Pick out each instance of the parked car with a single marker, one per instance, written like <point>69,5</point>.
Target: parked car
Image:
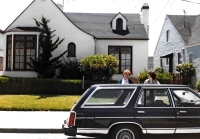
<point>129,111</point>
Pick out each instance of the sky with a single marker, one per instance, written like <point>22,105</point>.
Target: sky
<point>158,9</point>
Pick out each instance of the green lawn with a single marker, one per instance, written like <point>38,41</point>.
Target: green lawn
<point>37,102</point>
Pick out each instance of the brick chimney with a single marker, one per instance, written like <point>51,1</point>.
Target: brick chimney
<point>145,16</point>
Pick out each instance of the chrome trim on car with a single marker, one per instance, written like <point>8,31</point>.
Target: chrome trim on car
<point>188,116</point>
<point>128,123</point>
<point>154,117</point>
<point>160,130</point>
<point>92,130</point>
<point>188,130</point>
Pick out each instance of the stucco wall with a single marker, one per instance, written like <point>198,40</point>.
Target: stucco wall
<point>139,55</point>
<point>84,42</point>
<point>175,46</point>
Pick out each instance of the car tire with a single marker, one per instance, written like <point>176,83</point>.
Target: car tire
<point>124,132</point>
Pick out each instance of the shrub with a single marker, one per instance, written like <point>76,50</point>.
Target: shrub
<point>70,70</point>
<point>159,70</point>
<point>142,76</point>
<point>162,77</point>
<point>100,67</point>
<point>186,71</point>
<point>198,85</point>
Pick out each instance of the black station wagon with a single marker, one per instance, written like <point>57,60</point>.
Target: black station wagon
<point>128,111</point>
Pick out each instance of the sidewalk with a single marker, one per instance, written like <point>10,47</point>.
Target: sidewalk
<point>32,121</point>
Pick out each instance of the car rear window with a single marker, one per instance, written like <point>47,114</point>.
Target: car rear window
<point>110,97</point>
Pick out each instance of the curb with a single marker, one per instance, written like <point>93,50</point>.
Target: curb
<point>28,130</point>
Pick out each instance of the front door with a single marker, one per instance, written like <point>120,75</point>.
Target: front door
<point>155,111</point>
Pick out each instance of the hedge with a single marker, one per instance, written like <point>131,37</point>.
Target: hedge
<point>19,85</point>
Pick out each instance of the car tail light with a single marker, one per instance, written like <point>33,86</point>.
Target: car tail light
<point>71,120</point>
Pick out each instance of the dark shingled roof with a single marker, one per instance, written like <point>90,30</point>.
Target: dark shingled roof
<point>1,31</point>
<point>188,27</point>
<point>25,29</point>
<point>99,25</point>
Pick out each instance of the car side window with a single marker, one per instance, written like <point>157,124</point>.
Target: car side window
<point>153,98</point>
<point>185,98</point>
<point>110,97</point>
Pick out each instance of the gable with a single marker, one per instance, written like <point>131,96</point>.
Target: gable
<point>183,25</point>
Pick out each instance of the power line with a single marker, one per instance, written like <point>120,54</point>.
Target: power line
<point>162,10</point>
<point>191,1</point>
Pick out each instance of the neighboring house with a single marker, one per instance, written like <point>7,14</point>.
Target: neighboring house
<point>122,35</point>
<point>179,42</point>
<point>1,52</point>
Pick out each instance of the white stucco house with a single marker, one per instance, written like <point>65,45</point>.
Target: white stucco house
<point>179,42</point>
<point>1,52</point>
<point>123,35</point>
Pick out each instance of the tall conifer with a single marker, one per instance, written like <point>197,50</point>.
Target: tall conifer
<point>45,65</point>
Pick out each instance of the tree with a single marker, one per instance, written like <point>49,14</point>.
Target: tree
<point>45,65</point>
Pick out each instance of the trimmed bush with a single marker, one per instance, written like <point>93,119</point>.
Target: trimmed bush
<point>100,67</point>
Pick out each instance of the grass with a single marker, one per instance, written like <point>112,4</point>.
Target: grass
<point>37,102</point>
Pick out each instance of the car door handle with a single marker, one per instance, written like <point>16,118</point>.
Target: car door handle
<point>141,111</point>
<point>183,111</point>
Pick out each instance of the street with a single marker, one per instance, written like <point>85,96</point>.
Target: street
<point>62,136</point>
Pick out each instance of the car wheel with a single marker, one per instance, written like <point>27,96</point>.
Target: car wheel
<point>124,132</point>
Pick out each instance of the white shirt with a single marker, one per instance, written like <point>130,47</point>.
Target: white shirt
<point>125,81</point>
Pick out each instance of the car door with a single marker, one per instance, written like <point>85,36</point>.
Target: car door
<point>187,108</point>
<point>155,111</point>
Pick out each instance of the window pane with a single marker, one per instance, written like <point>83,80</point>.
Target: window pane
<point>19,45</point>
<point>30,45</point>
<point>21,58</point>
<point>16,51</point>
<point>21,51</point>
<point>111,97</point>
<point>21,65</point>
<point>154,98</point>
<point>32,38</point>
<point>16,65</point>
<point>19,37</point>
<point>16,58</point>
<point>186,98</point>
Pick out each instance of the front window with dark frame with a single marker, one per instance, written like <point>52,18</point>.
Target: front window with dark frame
<point>24,48</point>
<point>71,50</point>
<point>124,55</point>
<point>9,52</point>
<point>1,63</point>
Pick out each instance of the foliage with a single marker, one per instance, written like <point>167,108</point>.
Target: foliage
<point>162,77</point>
<point>100,67</point>
<point>45,65</point>
<point>4,79</point>
<point>70,70</point>
<point>198,85</point>
<point>187,71</point>
<point>34,86</point>
<point>142,76</point>
<point>159,70</point>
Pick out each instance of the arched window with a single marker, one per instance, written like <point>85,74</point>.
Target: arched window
<point>71,50</point>
<point>119,25</point>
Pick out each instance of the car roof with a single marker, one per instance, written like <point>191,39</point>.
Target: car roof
<point>138,85</point>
